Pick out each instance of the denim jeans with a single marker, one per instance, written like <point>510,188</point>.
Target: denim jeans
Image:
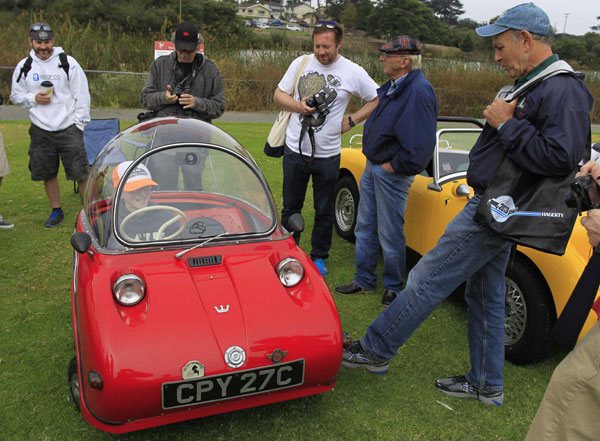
<point>467,252</point>
<point>324,173</point>
<point>380,226</point>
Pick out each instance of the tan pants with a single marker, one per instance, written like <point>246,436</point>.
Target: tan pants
<point>570,410</point>
<point>4,170</point>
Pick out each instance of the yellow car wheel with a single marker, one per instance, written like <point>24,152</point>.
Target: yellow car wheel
<point>529,315</point>
<point>346,207</point>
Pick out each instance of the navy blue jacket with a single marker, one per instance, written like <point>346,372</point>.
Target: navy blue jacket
<point>401,129</point>
<point>548,134</point>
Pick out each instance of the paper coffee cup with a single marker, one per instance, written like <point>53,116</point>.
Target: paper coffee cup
<point>47,87</point>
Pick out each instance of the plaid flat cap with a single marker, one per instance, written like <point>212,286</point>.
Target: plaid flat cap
<point>402,45</point>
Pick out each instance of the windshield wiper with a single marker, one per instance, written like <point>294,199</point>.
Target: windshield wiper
<point>184,252</point>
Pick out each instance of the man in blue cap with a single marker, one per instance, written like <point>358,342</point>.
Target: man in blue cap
<point>398,141</point>
<point>545,130</point>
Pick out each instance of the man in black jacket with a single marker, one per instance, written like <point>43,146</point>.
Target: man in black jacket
<point>545,131</point>
<point>184,84</point>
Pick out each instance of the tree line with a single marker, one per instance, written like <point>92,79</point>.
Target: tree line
<point>433,21</point>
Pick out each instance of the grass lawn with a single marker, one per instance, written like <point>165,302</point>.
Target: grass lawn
<point>36,343</point>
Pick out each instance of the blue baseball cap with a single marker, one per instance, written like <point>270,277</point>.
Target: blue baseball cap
<point>523,17</point>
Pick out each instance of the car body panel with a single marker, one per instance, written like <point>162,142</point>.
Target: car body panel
<point>204,294</point>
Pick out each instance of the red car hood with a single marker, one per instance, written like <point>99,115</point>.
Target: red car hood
<point>196,314</point>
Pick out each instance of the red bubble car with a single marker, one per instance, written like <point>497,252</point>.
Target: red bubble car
<point>189,298</point>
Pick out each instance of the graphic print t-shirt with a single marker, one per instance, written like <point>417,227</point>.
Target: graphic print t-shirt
<point>344,78</point>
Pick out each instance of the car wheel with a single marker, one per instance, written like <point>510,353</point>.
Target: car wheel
<point>346,207</point>
<point>530,314</point>
<point>74,383</point>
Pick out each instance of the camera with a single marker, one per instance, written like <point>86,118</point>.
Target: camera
<point>584,194</point>
<point>178,90</point>
<point>321,101</point>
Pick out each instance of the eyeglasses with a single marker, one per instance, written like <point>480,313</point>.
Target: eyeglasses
<point>36,28</point>
<point>329,25</point>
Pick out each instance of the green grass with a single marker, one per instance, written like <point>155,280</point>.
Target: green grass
<point>36,344</point>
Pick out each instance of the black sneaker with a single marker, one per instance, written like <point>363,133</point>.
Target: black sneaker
<point>459,387</point>
<point>356,357</point>
<point>56,217</point>
<point>5,224</point>
<point>352,288</point>
<point>388,297</point>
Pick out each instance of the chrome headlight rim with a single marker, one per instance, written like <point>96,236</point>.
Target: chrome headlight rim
<point>129,290</point>
<point>290,272</point>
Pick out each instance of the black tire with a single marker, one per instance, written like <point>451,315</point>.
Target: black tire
<point>346,207</point>
<point>530,313</point>
<point>74,384</point>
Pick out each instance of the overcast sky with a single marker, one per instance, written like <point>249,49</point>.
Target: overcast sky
<point>582,13</point>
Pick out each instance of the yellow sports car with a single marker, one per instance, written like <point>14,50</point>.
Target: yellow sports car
<point>538,284</point>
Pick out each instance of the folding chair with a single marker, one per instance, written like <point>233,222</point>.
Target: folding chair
<point>96,135</point>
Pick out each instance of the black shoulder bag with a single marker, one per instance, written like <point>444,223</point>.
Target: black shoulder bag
<point>526,208</point>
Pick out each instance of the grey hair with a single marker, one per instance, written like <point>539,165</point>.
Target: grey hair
<point>416,62</point>
<point>545,39</point>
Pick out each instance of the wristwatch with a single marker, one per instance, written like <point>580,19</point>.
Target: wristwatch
<point>351,121</point>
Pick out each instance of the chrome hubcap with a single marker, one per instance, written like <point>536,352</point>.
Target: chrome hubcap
<point>344,209</point>
<point>515,318</point>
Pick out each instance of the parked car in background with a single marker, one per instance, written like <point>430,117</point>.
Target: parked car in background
<point>293,27</point>
<point>263,26</point>
<point>538,284</point>
<point>250,23</point>
<point>198,301</point>
<point>277,23</point>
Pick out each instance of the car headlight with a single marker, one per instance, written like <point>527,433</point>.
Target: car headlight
<point>290,271</point>
<point>129,290</point>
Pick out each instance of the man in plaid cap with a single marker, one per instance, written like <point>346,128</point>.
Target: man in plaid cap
<point>398,141</point>
<point>546,130</point>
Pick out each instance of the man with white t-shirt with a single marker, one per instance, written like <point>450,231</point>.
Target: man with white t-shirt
<point>313,137</point>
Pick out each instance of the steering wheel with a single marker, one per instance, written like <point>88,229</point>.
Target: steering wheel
<point>178,216</point>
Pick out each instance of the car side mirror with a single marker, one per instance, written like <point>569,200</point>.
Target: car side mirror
<point>81,242</point>
<point>296,223</point>
<point>463,190</point>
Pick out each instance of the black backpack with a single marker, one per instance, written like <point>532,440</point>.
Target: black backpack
<point>64,64</point>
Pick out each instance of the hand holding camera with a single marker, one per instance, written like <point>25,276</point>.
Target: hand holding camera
<point>585,191</point>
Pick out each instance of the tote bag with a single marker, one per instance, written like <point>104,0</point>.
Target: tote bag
<point>528,209</point>
<point>276,139</point>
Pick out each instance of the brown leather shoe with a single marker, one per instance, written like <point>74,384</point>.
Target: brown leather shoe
<point>388,297</point>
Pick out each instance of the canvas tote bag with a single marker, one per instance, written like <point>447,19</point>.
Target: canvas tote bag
<point>276,139</point>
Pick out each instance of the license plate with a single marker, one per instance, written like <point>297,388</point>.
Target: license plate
<point>237,384</point>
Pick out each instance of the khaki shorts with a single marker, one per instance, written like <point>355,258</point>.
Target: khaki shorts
<point>4,170</point>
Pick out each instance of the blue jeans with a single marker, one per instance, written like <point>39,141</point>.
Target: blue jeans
<point>380,225</point>
<point>324,172</point>
<point>467,252</point>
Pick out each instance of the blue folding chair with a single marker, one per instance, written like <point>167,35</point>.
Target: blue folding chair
<point>96,135</point>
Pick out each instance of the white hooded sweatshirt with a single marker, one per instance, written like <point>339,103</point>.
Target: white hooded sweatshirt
<point>70,98</point>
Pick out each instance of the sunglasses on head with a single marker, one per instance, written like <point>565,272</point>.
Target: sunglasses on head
<point>40,28</point>
<point>328,25</point>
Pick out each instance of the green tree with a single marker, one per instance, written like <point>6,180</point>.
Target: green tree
<point>397,17</point>
<point>350,15</point>
<point>597,27</point>
<point>570,49</point>
<point>446,10</point>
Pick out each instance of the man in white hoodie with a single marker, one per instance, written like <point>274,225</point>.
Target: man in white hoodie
<point>53,87</point>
